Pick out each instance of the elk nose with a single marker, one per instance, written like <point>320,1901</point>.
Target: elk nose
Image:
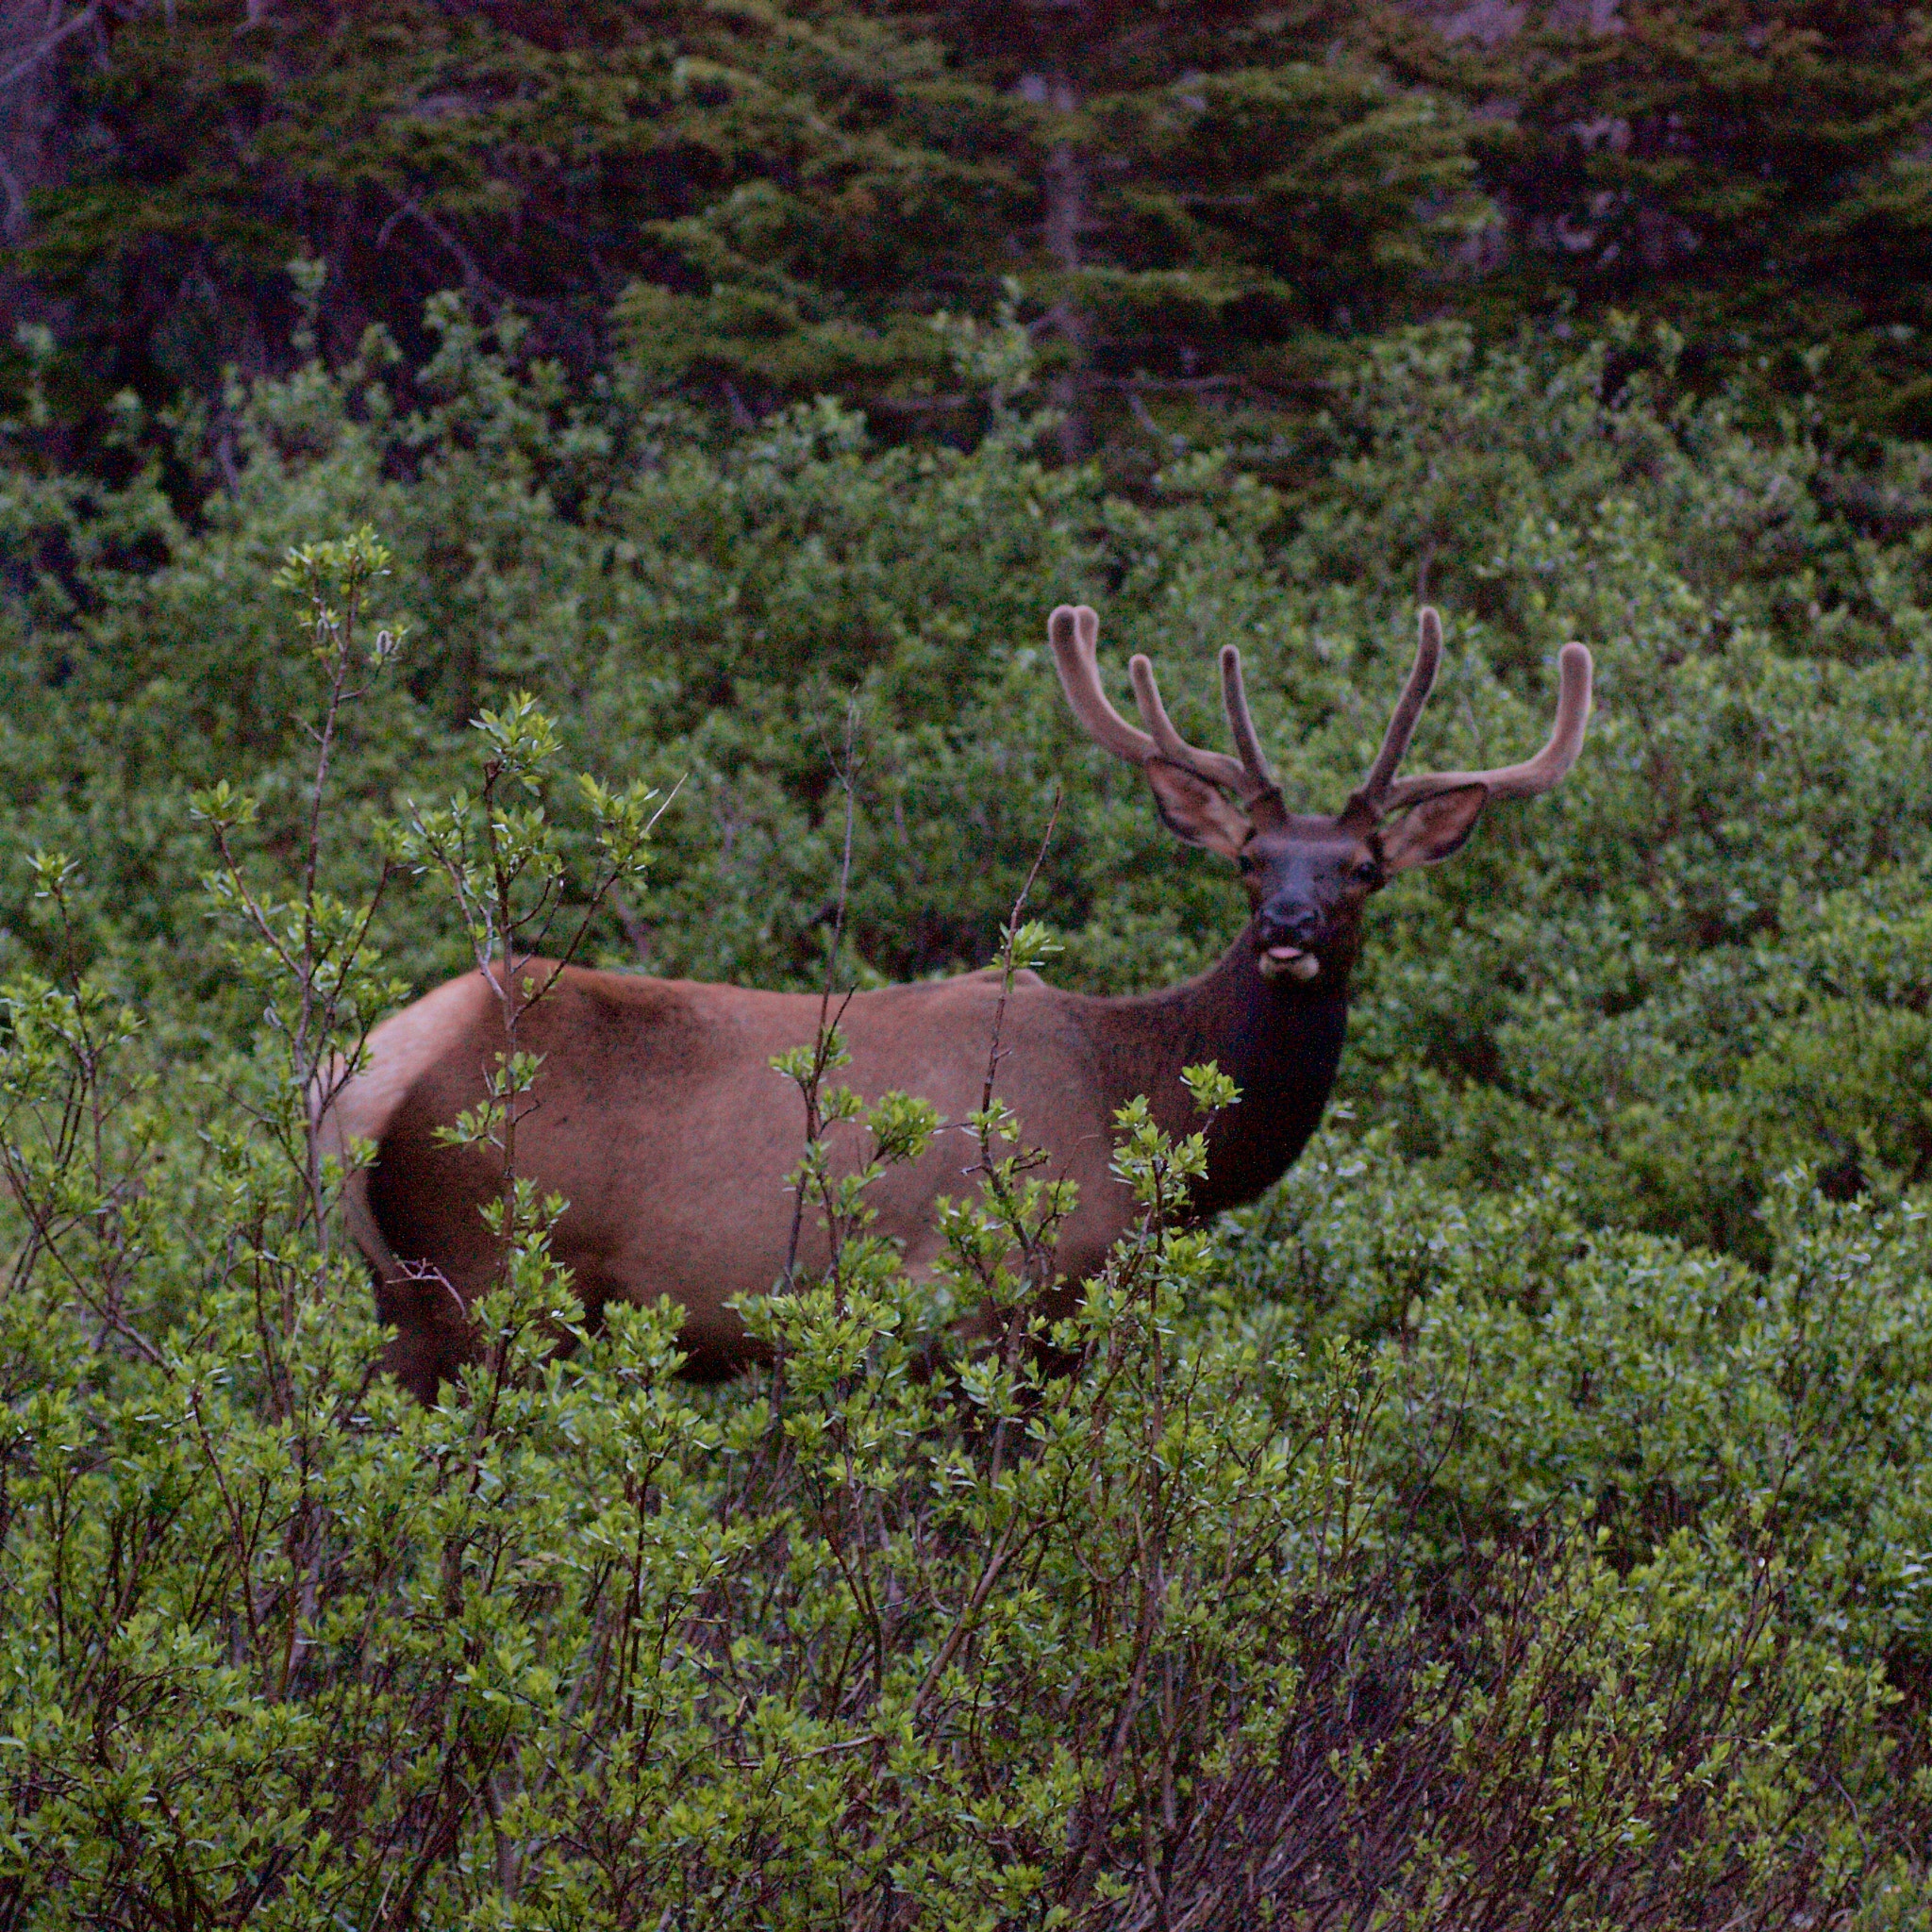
<point>1290,925</point>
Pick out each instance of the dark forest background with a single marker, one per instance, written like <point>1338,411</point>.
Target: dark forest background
<point>1196,210</point>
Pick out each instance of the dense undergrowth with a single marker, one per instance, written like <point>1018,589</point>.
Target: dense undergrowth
<point>1518,1518</point>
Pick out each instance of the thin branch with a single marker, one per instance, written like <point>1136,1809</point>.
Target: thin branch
<point>843,772</point>
<point>48,42</point>
<point>999,1011</point>
<point>919,406</point>
<point>474,280</point>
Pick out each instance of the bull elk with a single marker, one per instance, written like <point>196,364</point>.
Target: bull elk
<point>661,1122</point>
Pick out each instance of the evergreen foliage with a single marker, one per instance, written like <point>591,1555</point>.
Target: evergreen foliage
<point>1197,211</point>
<point>1197,205</point>
<point>1752,171</point>
<point>788,197</point>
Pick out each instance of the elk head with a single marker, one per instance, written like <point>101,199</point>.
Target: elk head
<point>1307,878</point>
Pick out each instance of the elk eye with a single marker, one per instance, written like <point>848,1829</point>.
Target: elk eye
<point>1368,871</point>
<point>1246,861</point>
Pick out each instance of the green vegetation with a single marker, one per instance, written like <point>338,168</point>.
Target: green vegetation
<point>1519,1517</point>
<point>1522,1516</point>
<point>775,200</point>
<point>1755,172</point>
<point>1201,211</point>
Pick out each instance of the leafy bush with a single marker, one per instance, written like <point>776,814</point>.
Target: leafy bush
<point>1055,1637</point>
<point>1517,1518</point>
<point>1584,987</point>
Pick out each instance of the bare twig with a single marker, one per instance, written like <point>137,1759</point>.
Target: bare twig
<point>993,1053</point>
<point>49,40</point>
<point>844,773</point>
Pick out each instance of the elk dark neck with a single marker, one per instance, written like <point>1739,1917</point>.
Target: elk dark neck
<point>1281,1045</point>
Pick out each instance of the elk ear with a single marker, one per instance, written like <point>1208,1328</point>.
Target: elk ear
<point>1434,828</point>
<point>1195,811</point>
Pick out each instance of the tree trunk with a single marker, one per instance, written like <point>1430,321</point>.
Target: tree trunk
<point>1065,184</point>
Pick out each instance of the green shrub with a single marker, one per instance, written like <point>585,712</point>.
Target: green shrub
<point>1516,1518</point>
<point>1163,1612</point>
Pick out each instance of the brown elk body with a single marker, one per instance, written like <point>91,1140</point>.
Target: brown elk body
<point>659,1120</point>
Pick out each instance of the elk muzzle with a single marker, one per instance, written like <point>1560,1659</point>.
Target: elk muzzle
<point>1285,942</point>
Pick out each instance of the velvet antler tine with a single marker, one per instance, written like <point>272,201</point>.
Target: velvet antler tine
<point>1534,775</point>
<point>1216,767</point>
<point>1153,712</point>
<point>1073,632</point>
<point>1234,698</point>
<point>1408,709</point>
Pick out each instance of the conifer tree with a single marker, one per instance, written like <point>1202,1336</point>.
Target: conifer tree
<point>525,155</point>
<point>1754,171</point>
<point>1198,203</point>
<point>1195,203</point>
